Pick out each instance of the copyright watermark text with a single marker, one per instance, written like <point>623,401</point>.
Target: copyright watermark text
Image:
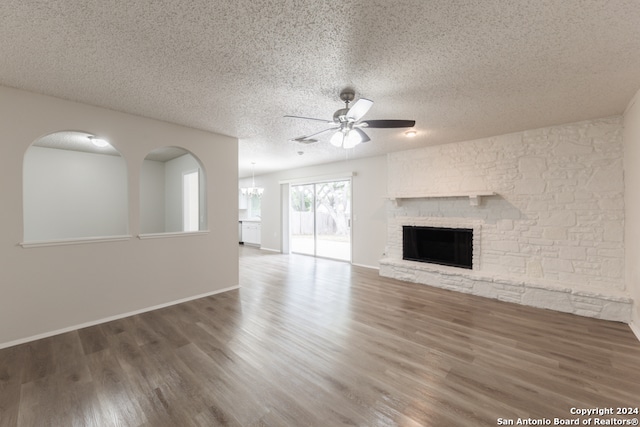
<point>623,416</point>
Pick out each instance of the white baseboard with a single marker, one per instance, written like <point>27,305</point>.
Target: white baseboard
<point>111,318</point>
<point>635,328</point>
<point>377,267</point>
<point>270,250</point>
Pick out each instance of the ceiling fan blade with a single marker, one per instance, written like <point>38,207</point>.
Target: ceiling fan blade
<point>389,123</point>
<point>359,109</point>
<point>363,136</point>
<point>305,137</point>
<point>310,118</point>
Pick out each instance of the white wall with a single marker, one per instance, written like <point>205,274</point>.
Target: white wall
<point>632,206</point>
<point>368,191</point>
<point>45,289</point>
<point>74,194</point>
<point>152,197</point>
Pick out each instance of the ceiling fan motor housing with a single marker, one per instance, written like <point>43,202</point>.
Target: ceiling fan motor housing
<point>347,94</point>
<point>340,116</point>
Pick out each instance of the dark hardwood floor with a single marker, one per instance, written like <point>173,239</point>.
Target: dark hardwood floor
<point>312,342</point>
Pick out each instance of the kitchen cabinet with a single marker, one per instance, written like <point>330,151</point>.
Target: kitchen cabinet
<point>251,232</point>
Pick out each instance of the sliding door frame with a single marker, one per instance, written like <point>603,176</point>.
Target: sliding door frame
<point>286,212</point>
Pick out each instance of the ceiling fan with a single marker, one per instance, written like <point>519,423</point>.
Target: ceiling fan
<point>347,125</point>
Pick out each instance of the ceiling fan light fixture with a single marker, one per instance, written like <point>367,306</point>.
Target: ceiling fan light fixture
<point>98,142</point>
<point>345,139</point>
<point>351,140</point>
<point>336,139</point>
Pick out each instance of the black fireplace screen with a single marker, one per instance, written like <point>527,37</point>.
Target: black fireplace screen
<point>445,246</point>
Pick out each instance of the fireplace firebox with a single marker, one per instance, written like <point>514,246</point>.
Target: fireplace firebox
<point>444,246</point>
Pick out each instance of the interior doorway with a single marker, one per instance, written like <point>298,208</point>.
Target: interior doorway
<point>320,219</point>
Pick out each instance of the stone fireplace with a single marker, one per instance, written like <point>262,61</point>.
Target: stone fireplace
<point>545,208</point>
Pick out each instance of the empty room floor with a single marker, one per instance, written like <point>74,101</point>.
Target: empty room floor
<point>316,342</point>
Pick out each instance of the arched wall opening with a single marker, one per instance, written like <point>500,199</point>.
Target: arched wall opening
<point>74,187</point>
<point>172,192</point>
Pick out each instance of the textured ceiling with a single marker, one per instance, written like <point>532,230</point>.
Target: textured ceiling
<point>461,69</point>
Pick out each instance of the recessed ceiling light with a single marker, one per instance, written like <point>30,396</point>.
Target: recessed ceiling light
<point>98,142</point>
<point>410,133</point>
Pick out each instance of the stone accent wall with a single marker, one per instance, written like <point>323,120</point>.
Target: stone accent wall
<point>556,223</point>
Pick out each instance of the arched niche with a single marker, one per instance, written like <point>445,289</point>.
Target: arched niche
<point>172,192</point>
<point>74,187</point>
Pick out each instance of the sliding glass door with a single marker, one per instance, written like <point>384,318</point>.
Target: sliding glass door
<point>320,220</point>
<point>303,219</point>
